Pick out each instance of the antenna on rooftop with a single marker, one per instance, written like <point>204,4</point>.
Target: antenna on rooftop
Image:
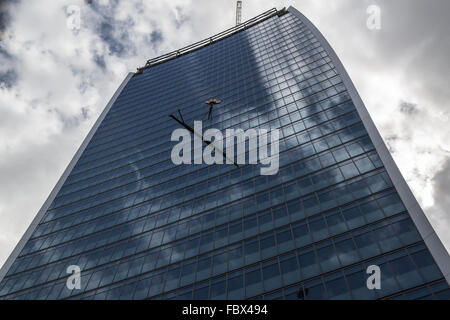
<point>238,12</point>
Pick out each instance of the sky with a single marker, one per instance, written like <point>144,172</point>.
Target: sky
<point>58,72</point>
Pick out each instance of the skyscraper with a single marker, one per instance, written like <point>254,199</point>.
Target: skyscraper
<point>136,225</point>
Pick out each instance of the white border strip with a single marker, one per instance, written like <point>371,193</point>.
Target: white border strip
<point>15,253</point>
<point>427,232</point>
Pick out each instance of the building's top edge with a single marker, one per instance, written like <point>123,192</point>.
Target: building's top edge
<point>224,34</point>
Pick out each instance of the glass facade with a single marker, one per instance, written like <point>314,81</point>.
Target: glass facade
<point>141,227</point>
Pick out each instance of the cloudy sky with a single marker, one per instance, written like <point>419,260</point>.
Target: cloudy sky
<point>55,79</point>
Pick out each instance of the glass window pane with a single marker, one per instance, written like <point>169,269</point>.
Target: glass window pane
<point>358,286</point>
<point>201,292</point>
<point>295,209</point>
<point>290,270</point>
<point>314,290</point>
<point>253,281</point>
<point>391,204</point>
<point>371,211</point>
<point>268,248</point>
<point>336,223</point>
<point>142,289</point>
<point>318,228</point>
<point>346,252</point>
<point>367,245</point>
<point>220,263</point>
<point>236,287</point>
<point>188,273</point>
<point>271,275</point>
<point>328,259</point>
<point>284,240</point>
<point>388,282</point>
<point>301,234</point>
<point>387,239</point>
<point>308,264</point>
<point>406,273</point>
<point>337,289</point>
<point>426,265</point>
<point>251,251</point>
<point>353,217</point>
<point>218,288</point>
<point>406,231</point>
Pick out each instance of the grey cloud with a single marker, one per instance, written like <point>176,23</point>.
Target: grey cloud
<point>100,61</point>
<point>85,111</point>
<point>180,17</point>
<point>8,78</point>
<point>115,33</point>
<point>441,184</point>
<point>441,208</point>
<point>413,41</point>
<point>116,45</point>
<point>156,38</point>
<point>390,141</point>
<point>416,32</point>
<point>408,108</point>
<point>5,16</point>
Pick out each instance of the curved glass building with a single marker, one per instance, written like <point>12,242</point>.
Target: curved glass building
<point>137,226</point>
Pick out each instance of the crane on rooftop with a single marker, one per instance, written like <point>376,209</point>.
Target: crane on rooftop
<point>238,12</point>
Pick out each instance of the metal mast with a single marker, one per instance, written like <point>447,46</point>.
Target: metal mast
<point>238,12</point>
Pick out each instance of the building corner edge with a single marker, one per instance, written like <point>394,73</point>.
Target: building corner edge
<point>416,213</point>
